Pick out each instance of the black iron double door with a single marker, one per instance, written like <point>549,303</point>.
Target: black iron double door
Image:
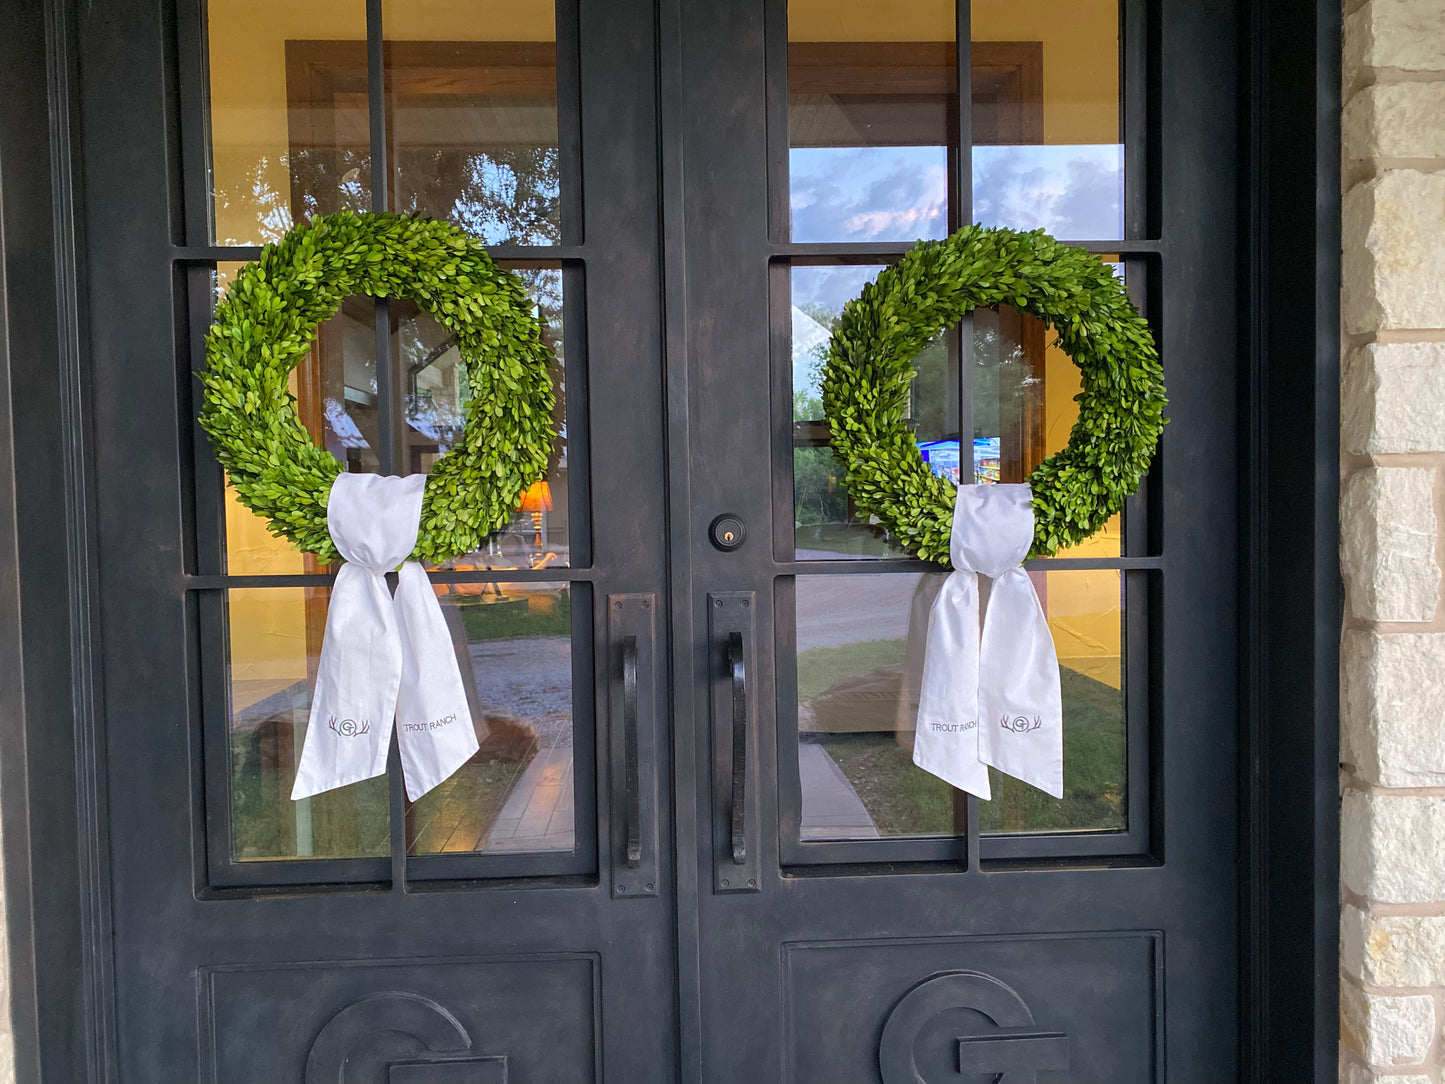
<point>693,845</point>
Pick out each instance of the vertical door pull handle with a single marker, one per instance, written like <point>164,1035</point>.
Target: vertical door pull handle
<point>740,748</point>
<point>632,774</point>
<point>735,831</point>
<point>629,722</point>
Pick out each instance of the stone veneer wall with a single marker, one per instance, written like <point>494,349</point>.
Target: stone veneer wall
<point>1392,508</point>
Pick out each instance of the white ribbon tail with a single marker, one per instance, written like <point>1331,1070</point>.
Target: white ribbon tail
<point>434,722</point>
<point>946,742</point>
<point>1021,715</point>
<point>349,731</point>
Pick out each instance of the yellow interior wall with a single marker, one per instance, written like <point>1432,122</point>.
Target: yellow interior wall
<point>870,20</point>
<point>1080,40</point>
<point>268,642</point>
<point>1081,60</point>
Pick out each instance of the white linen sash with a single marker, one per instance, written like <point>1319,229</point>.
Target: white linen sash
<point>383,658</point>
<point>991,698</point>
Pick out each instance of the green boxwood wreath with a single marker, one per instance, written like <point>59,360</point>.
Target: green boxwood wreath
<point>267,322</point>
<point>869,369</point>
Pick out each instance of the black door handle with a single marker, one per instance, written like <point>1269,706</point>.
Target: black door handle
<point>632,703</point>
<point>629,723</point>
<point>735,829</point>
<point>738,814</point>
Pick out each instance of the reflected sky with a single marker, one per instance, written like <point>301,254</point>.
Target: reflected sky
<point>1075,192</point>
<point>819,294</point>
<point>823,290</point>
<point>868,193</point>
<point>862,194</point>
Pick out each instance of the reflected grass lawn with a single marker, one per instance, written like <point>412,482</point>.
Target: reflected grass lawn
<point>906,801</point>
<point>903,800</point>
<point>1095,763</point>
<point>459,814</point>
<point>352,822</point>
<point>823,666</point>
<point>514,616</point>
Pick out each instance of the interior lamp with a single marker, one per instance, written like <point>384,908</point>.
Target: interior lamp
<point>536,500</point>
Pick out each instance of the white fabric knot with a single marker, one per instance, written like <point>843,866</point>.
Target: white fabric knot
<point>383,658</point>
<point>991,699</point>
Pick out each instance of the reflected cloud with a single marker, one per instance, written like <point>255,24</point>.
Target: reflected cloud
<point>821,292</point>
<point>868,193</point>
<point>862,194</point>
<point>1075,192</point>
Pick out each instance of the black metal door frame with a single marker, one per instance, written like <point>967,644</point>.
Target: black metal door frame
<point>51,751</point>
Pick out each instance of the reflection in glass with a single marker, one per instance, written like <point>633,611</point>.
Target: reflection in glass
<point>1024,406</point>
<point>337,395</point>
<point>827,525</point>
<point>1047,148</point>
<point>514,795</point>
<point>288,115</point>
<point>856,710</point>
<point>1010,415</point>
<point>872,107</point>
<point>437,391</point>
<point>472,116</point>
<point>860,647</point>
<point>337,401</point>
<point>275,642</point>
<point>251,549</point>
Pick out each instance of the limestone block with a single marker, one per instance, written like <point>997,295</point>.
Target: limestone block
<point>1390,846</point>
<point>1406,34</point>
<point>1394,707</point>
<point>1387,1030</point>
<point>1393,950</point>
<point>1396,120</point>
<point>1354,933</point>
<point>1394,252</point>
<point>1387,544</point>
<point>1352,1073</point>
<point>1392,398</point>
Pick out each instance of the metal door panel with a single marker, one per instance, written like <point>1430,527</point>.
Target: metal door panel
<point>307,950</point>
<point>494,1020</point>
<point>1032,899</point>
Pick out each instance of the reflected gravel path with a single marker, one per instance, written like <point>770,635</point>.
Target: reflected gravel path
<point>529,678</point>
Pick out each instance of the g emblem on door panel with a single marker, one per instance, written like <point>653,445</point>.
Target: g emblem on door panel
<point>420,1033</point>
<point>1011,1051</point>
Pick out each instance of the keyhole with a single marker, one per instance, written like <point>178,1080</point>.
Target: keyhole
<point>727,532</point>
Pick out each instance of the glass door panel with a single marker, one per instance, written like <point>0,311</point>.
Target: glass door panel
<point>467,115</point>
<point>872,108</point>
<point>1048,148</point>
<point>879,155</point>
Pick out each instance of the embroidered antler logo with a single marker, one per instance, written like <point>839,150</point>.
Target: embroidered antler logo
<point>1020,724</point>
<point>350,728</point>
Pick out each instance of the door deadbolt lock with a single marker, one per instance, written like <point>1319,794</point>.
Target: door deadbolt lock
<point>728,532</point>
